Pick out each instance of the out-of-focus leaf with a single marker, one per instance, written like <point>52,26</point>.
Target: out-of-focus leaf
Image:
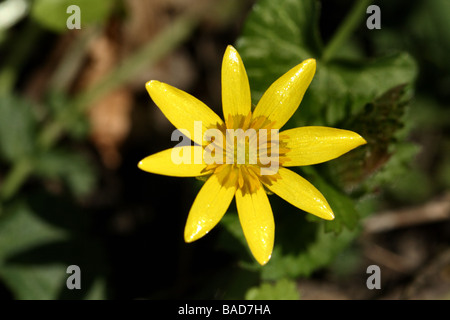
<point>17,128</point>
<point>75,124</point>
<point>282,289</point>
<point>53,15</point>
<point>35,251</point>
<point>72,168</point>
<point>21,229</point>
<point>98,290</point>
<point>430,26</point>
<point>406,188</point>
<point>34,282</point>
<point>397,167</point>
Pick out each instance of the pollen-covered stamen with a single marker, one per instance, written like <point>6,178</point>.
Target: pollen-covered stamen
<point>246,152</point>
<point>242,146</point>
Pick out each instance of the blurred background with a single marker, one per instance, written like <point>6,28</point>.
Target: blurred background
<point>75,120</point>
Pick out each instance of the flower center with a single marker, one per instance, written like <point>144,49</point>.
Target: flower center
<point>244,152</point>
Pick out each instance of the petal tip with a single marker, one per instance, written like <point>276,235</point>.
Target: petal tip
<point>329,216</point>
<point>264,260</point>
<point>230,47</point>
<point>323,211</point>
<point>326,212</point>
<point>144,165</point>
<point>153,85</point>
<point>231,56</point>
<point>358,141</point>
<point>190,236</point>
<point>363,141</point>
<point>310,64</point>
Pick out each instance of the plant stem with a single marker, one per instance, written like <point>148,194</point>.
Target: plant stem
<point>73,58</point>
<point>18,53</point>
<point>348,26</point>
<point>149,54</point>
<point>15,178</point>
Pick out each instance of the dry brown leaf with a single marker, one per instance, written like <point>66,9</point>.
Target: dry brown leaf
<point>110,115</point>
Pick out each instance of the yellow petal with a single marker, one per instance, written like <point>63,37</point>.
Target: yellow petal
<point>209,207</point>
<point>283,97</point>
<point>236,99</point>
<point>168,163</point>
<point>255,215</point>
<point>300,193</point>
<point>311,145</point>
<point>182,110</point>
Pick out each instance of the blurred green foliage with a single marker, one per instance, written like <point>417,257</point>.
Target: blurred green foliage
<point>52,14</point>
<point>283,289</point>
<point>366,83</point>
<point>18,126</point>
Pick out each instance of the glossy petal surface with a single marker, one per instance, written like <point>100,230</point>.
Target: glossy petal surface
<point>311,145</point>
<point>209,207</point>
<point>283,97</point>
<point>256,217</point>
<point>183,110</point>
<point>300,193</point>
<point>236,99</point>
<point>162,162</point>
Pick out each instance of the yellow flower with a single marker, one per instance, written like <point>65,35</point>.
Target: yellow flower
<point>239,176</point>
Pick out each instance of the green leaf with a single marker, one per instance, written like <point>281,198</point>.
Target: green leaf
<point>39,239</point>
<point>283,289</point>
<point>34,282</point>
<point>53,15</point>
<point>317,254</point>
<point>340,90</point>
<point>75,123</point>
<point>342,205</point>
<point>430,29</point>
<point>367,81</point>
<point>301,247</point>
<point>98,290</point>
<point>385,124</point>
<point>20,230</point>
<point>17,128</point>
<point>277,36</point>
<point>396,167</point>
<point>72,168</point>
